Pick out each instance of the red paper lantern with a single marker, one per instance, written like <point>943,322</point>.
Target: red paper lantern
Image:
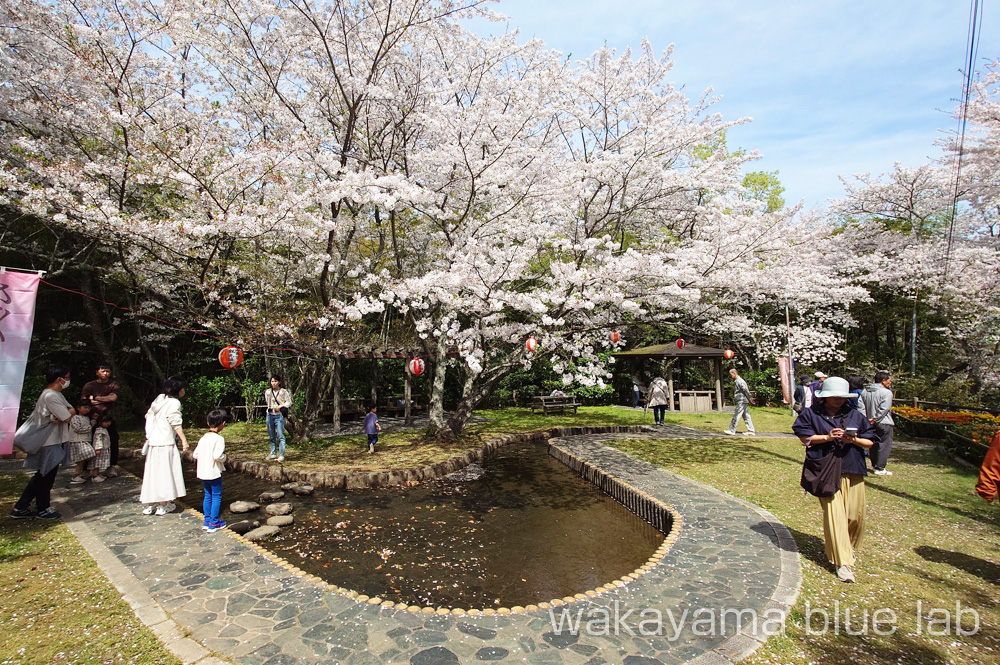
<point>231,357</point>
<point>417,367</point>
<point>531,344</point>
<point>728,353</point>
<point>614,336</point>
<point>680,343</point>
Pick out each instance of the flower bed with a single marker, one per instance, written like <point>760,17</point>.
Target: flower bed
<point>966,434</point>
<point>978,427</point>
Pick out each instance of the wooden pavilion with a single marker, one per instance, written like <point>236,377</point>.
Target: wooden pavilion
<point>684,399</point>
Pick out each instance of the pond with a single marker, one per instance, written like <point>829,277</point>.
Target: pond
<point>528,530</point>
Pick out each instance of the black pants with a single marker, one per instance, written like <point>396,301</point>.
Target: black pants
<point>38,488</point>
<point>659,413</point>
<point>113,435</point>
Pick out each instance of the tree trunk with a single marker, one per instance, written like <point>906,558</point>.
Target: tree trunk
<point>407,394</point>
<point>318,375</point>
<point>337,366</point>
<point>435,407</point>
<point>374,379</point>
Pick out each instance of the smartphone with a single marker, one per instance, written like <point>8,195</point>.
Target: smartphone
<point>851,431</point>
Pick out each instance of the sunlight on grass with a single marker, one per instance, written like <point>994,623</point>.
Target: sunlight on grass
<point>929,538</point>
<point>56,606</point>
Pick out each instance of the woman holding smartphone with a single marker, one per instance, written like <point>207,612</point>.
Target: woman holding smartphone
<point>833,425</point>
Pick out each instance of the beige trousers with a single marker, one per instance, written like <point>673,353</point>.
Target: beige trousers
<point>844,519</point>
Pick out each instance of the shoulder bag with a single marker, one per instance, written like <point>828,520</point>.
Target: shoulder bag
<point>34,432</point>
<point>821,475</point>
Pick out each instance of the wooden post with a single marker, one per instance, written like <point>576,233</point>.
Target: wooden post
<point>718,385</point>
<point>670,390</point>
<point>407,414</point>
<point>336,393</point>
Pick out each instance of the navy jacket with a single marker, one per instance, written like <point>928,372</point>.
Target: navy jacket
<point>815,420</point>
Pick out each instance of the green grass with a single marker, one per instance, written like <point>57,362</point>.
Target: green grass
<point>56,606</point>
<point>929,538</point>
<point>413,449</point>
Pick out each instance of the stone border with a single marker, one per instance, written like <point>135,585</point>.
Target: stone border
<point>280,473</point>
<point>657,513</point>
<point>776,590</point>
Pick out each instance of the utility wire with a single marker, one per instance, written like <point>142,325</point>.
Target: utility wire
<point>972,51</point>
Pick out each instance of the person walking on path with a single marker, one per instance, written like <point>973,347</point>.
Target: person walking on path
<point>877,404</point>
<point>162,476</point>
<point>802,397</point>
<point>742,401</point>
<point>103,393</point>
<point>989,472</point>
<point>279,401</point>
<point>372,428</point>
<point>638,388</point>
<point>211,458</point>
<point>52,405</point>
<point>833,426</point>
<point>657,398</point>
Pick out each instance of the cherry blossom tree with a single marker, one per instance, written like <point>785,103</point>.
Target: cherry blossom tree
<point>290,174</point>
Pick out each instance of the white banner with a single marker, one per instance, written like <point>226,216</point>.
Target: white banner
<point>17,318</point>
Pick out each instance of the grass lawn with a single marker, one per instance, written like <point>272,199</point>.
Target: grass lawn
<point>930,543</point>
<point>56,606</point>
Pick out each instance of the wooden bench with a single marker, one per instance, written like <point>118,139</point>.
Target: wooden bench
<point>549,404</point>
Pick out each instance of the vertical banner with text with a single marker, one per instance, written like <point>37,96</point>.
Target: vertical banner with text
<point>17,317</point>
<point>784,370</point>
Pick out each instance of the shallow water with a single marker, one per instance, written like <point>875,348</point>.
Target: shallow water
<point>529,530</point>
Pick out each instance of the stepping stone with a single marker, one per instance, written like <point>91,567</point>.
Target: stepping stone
<point>271,495</point>
<point>300,488</point>
<point>243,506</point>
<point>243,527</point>
<point>262,533</point>
<point>280,520</point>
<point>279,509</point>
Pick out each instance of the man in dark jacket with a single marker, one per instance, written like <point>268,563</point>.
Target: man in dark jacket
<point>877,405</point>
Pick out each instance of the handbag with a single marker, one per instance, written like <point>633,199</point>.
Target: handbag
<point>821,475</point>
<point>33,432</point>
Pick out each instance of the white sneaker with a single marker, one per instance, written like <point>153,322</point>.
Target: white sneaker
<point>750,433</point>
<point>729,432</point>
<point>845,574</point>
<point>281,459</point>
<point>148,510</point>
<point>271,456</point>
<point>882,472</point>
<point>166,508</point>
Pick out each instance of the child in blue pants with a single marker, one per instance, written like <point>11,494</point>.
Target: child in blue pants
<point>372,428</point>
<point>211,457</point>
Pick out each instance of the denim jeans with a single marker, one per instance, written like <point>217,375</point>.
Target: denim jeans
<point>213,500</point>
<point>276,432</point>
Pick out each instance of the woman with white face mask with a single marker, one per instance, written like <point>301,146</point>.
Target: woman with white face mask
<point>52,405</point>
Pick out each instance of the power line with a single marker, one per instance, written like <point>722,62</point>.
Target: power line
<point>972,51</point>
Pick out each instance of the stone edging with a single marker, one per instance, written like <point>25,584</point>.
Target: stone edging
<point>657,513</point>
<point>279,473</point>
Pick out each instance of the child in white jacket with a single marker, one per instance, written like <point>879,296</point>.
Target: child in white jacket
<point>211,457</point>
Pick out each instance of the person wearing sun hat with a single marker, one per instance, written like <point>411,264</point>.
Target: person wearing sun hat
<point>817,383</point>
<point>832,424</point>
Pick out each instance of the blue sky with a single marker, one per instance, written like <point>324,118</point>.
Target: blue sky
<point>834,88</point>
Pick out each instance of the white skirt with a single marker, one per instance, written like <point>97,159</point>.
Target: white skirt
<point>162,478</point>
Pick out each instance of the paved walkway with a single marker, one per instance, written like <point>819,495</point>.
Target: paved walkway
<point>210,596</point>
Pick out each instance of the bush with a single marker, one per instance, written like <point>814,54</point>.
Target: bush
<point>204,394</point>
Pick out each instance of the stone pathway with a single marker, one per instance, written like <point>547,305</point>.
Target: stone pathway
<point>725,583</point>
